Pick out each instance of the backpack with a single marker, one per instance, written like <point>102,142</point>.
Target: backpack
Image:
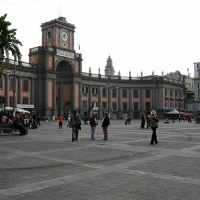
<point>95,122</point>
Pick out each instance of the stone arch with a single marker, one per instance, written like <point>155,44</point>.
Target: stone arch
<point>64,63</point>
<point>64,68</point>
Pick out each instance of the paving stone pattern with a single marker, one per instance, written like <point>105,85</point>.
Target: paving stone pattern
<point>47,165</point>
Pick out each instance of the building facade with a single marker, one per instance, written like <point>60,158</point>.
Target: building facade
<point>54,83</point>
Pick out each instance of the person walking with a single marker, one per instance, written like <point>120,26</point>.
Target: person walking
<point>153,121</point>
<point>60,121</point>
<point>69,121</point>
<point>105,124</point>
<point>93,124</point>
<point>76,125</point>
<point>142,121</point>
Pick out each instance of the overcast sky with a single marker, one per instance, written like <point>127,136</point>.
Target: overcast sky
<point>139,35</point>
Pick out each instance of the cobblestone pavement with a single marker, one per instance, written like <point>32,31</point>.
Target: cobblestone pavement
<point>47,165</point>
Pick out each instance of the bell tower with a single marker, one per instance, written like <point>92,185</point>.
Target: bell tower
<point>109,69</point>
<point>59,33</point>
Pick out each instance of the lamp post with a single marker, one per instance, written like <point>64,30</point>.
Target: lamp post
<point>14,87</point>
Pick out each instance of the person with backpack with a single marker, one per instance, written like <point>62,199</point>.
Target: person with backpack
<point>93,124</point>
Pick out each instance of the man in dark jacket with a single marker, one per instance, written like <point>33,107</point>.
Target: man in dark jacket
<point>105,124</point>
<point>93,124</point>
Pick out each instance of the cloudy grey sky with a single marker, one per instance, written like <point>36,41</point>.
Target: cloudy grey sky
<point>139,35</point>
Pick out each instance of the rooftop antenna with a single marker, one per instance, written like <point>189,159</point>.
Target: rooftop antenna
<point>59,9</point>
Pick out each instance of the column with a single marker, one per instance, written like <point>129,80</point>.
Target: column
<point>90,99</point>
<point>6,97</point>
<point>141,100</point>
<point>99,101</point>
<point>19,91</point>
<point>80,99</point>
<point>54,96</point>
<point>61,98</point>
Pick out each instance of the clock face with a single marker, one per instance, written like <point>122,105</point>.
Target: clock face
<point>64,36</point>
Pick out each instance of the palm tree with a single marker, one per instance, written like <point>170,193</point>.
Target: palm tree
<point>8,41</point>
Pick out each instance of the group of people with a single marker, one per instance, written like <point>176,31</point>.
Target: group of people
<point>74,121</point>
<point>21,121</point>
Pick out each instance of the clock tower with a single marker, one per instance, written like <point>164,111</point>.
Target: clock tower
<point>58,32</point>
<point>58,69</point>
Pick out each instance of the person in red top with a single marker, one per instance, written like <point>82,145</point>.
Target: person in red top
<point>60,119</point>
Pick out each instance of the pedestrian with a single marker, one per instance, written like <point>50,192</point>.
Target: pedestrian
<point>69,121</point>
<point>76,125</point>
<point>38,120</point>
<point>147,120</point>
<point>142,121</point>
<point>153,121</point>
<point>93,124</point>
<point>105,124</point>
<point>60,121</point>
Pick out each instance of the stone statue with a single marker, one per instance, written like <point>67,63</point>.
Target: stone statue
<point>119,74</point>
<point>141,74</point>
<point>153,73</point>
<point>129,73</point>
<point>99,70</point>
<point>162,73</point>
<point>89,69</point>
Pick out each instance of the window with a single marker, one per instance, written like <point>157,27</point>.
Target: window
<point>165,92</point>
<point>136,105</point>
<point>94,91</point>
<point>104,105</point>
<point>104,92</point>
<point>114,105</point>
<point>25,85</point>
<point>175,93</point>
<point>170,92</point>
<point>135,93</point>
<point>171,104</point>
<point>84,103</point>
<point>48,36</point>
<point>11,101</point>
<point>84,90</point>
<point>147,93</point>
<point>124,93</point>
<point>94,104</point>
<point>1,101</point>
<point>125,106</point>
<point>25,100</point>
<point>11,83</point>
<point>114,93</point>
<point>166,105</point>
<point>1,82</point>
<point>148,106</point>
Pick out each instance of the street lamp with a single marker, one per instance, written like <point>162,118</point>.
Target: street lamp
<point>14,87</point>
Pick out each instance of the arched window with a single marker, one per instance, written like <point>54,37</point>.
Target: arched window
<point>64,68</point>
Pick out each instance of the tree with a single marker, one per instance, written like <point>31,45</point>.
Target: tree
<point>8,41</point>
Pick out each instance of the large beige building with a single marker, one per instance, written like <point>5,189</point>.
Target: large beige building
<point>53,82</point>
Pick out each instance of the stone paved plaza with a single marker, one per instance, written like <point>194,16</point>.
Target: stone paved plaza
<point>47,165</point>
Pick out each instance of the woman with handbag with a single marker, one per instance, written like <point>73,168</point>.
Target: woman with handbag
<point>76,125</point>
<point>153,121</point>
